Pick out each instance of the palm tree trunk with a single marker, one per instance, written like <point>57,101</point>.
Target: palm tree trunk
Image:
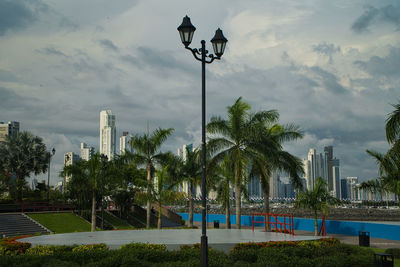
<point>266,206</point>
<point>238,204</point>
<point>93,227</point>
<point>228,214</point>
<point>316,223</point>
<point>148,211</point>
<point>159,216</point>
<point>190,204</point>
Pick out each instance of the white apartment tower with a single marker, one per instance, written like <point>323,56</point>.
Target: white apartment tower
<point>86,151</point>
<point>124,143</point>
<point>107,134</point>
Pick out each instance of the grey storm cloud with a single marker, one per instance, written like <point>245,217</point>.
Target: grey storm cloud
<point>108,44</point>
<point>329,81</point>
<point>326,49</point>
<point>389,14</point>
<point>15,14</point>
<point>388,66</point>
<point>51,51</point>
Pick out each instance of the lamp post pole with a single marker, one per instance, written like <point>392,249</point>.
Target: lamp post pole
<point>186,31</point>
<point>53,151</point>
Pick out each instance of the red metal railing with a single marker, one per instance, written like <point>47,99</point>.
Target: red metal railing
<point>44,206</point>
<point>322,229</point>
<point>282,223</point>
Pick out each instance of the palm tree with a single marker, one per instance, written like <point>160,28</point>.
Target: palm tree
<point>272,157</point>
<point>393,125</point>
<point>190,172</point>
<point>318,200</point>
<point>164,191</point>
<point>223,178</point>
<point>389,163</point>
<point>376,186</point>
<point>389,167</point>
<point>22,154</point>
<point>233,138</point>
<point>87,173</point>
<point>146,152</point>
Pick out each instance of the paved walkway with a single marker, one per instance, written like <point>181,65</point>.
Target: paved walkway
<point>222,239</point>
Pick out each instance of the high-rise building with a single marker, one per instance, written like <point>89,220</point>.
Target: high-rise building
<point>124,143</point>
<point>9,128</point>
<point>313,168</point>
<point>69,159</point>
<point>352,188</point>
<point>343,189</point>
<point>328,151</point>
<point>107,134</point>
<point>86,151</point>
<point>335,178</point>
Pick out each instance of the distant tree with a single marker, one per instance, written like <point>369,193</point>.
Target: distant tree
<point>147,152</point>
<point>318,200</point>
<point>376,186</point>
<point>21,155</point>
<point>86,181</point>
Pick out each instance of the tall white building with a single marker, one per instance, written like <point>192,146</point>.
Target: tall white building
<point>107,134</point>
<point>86,151</point>
<point>124,143</point>
<point>312,174</point>
<point>69,159</point>
<point>335,178</point>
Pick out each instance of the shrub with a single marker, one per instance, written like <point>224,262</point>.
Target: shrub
<point>149,246</point>
<point>394,251</point>
<point>10,246</point>
<point>48,250</point>
<point>90,247</point>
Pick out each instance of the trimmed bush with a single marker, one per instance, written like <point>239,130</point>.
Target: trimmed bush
<point>90,247</point>
<point>149,246</point>
<point>47,250</point>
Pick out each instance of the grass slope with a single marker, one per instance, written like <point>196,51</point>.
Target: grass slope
<point>61,222</point>
<point>115,221</point>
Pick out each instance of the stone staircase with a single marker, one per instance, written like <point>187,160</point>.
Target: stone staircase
<point>15,224</point>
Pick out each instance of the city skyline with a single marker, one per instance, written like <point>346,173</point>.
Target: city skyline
<point>330,67</point>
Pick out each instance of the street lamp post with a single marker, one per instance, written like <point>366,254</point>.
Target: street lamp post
<point>53,151</point>
<point>104,161</point>
<point>186,31</point>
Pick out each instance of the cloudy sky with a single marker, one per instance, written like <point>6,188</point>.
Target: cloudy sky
<point>332,67</point>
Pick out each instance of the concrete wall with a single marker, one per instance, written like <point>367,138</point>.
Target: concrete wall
<point>377,230</point>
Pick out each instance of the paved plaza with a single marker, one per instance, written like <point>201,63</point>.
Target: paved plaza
<point>221,239</point>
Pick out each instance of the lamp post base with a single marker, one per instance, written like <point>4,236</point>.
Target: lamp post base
<point>204,251</point>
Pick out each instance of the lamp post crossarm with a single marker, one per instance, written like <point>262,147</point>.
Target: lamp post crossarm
<point>198,52</point>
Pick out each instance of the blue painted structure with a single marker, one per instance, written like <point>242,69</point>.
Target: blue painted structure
<point>377,230</point>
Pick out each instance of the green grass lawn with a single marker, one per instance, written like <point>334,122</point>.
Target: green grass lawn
<point>61,222</point>
<point>116,222</point>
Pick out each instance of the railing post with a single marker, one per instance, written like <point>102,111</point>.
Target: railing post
<point>252,221</point>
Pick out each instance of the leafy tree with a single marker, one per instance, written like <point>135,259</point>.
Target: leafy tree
<point>376,186</point>
<point>86,182</point>
<point>235,138</point>
<point>21,155</point>
<point>147,152</point>
<point>317,200</point>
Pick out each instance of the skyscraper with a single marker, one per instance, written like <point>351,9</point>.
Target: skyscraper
<point>328,151</point>
<point>86,151</point>
<point>69,159</point>
<point>335,178</point>
<point>124,143</point>
<point>10,128</point>
<point>313,168</point>
<point>107,134</point>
